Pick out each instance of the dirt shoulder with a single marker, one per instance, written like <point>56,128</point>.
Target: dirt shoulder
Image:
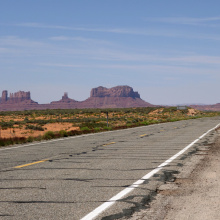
<point>194,194</point>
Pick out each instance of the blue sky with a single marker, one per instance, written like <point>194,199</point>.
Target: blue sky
<point>168,51</point>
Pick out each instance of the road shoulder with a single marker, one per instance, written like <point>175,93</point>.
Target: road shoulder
<point>193,193</point>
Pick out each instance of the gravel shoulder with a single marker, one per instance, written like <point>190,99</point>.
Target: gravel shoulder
<point>194,193</point>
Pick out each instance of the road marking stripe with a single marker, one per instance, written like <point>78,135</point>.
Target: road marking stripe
<point>108,144</point>
<point>41,161</point>
<point>143,135</point>
<point>29,164</point>
<point>136,184</point>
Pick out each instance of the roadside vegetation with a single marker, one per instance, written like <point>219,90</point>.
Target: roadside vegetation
<point>35,125</point>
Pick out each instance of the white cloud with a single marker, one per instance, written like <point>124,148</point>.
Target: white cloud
<point>60,65</point>
<point>14,45</point>
<point>81,39</point>
<point>170,33</point>
<point>208,21</point>
<point>105,57</point>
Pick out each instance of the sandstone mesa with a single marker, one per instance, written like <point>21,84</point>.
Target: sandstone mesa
<point>100,97</point>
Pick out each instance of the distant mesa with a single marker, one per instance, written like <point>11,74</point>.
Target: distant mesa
<point>118,91</point>
<point>16,98</point>
<point>215,107</point>
<point>116,97</point>
<point>100,97</point>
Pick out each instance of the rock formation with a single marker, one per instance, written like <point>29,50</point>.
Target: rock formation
<point>65,96</point>
<point>4,98</point>
<point>100,97</point>
<point>18,97</point>
<point>215,107</point>
<point>64,103</point>
<point>118,91</point>
<point>116,97</point>
<point>17,101</point>
<point>65,99</point>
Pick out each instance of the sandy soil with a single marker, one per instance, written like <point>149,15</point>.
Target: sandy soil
<point>22,132</point>
<point>198,197</point>
<point>192,112</point>
<point>194,195</point>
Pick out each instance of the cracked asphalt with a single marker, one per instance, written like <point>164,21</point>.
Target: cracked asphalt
<point>70,177</point>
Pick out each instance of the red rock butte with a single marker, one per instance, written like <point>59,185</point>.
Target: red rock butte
<point>100,97</point>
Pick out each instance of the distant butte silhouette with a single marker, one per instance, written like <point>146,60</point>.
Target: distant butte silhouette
<point>100,97</point>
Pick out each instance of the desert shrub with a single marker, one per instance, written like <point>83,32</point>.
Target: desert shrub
<point>128,125</point>
<point>10,141</point>
<point>63,133</point>
<point>26,119</point>
<point>41,122</point>
<point>74,132</point>
<point>153,121</point>
<point>84,129</point>
<point>134,120</point>
<point>38,138</point>
<point>172,119</point>
<point>97,129</point>
<point>19,140</point>
<point>6,125</point>
<point>170,109</point>
<point>2,143</point>
<point>92,124</point>
<point>107,128</point>
<point>30,139</point>
<point>32,127</point>
<point>49,135</point>
<point>145,123</point>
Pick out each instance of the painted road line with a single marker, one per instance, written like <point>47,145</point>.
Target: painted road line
<point>29,164</point>
<point>108,144</point>
<point>92,215</point>
<point>143,135</point>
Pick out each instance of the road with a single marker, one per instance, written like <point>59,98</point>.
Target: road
<point>69,178</point>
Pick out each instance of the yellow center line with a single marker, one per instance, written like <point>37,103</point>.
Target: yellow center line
<point>29,164</point>
<point>108,144</point>
<point>143,135</point>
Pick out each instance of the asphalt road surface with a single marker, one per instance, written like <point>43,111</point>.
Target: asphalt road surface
<point>70,178</point>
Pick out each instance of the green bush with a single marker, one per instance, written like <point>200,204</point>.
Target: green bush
<point>84,129</point>
<point>32,127</point>
<point>107,128</point>
<point>145,123</point>
<point>97,129</point>
<point>11,141</point>
<point>30,139</point>
<point>63,133</point>
<point>49,135</point>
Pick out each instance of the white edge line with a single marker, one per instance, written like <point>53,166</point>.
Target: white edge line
<point>136,184</point>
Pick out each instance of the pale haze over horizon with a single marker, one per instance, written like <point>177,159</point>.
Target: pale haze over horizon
<point>168,51</point>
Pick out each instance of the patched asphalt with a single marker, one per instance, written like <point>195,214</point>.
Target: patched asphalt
<point>74,176</point>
